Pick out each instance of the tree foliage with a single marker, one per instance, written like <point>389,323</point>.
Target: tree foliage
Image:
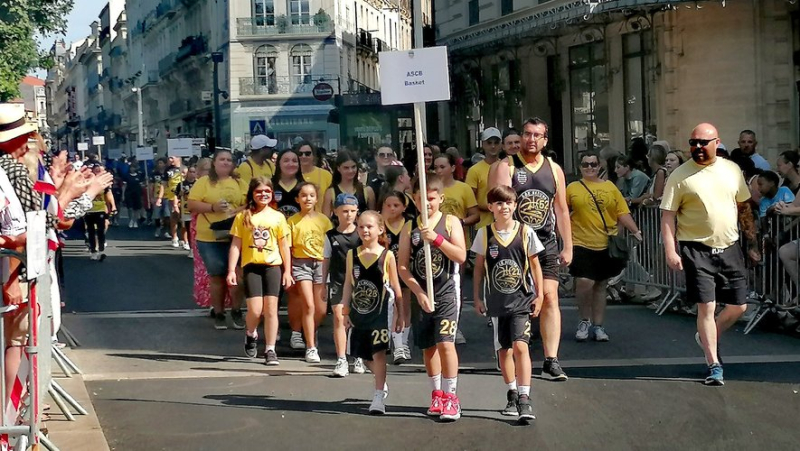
<point>21,22</point>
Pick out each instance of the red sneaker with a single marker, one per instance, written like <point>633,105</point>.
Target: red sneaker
<point>437,401</point>
<point>452,408</point>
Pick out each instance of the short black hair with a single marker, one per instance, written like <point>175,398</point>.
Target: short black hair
<point>536,120</point>
<point>510,132</point>
<point>770,176</point>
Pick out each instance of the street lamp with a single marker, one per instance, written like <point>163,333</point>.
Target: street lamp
<point>138,92</point>
<point>216,58</point>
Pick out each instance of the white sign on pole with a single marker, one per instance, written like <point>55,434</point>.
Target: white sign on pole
<point>180,147</point>
<point>206,96</point>
<point>99,140</point>
<point>144,153</point>
<point>410,76</point>
<point>115,154</point>
<point>83,147</point>
<point>197,146</point>
<point>36,249</point>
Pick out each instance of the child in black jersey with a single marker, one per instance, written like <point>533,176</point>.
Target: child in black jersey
<point>371,282</point>
<point>511,293</point>
<point>393,206</point>
<point>338,242</point>
<point>435,321</point>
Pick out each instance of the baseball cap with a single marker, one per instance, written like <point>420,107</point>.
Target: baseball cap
<point>262,141</point>
<point>491,132</point>
<point>345,199</point>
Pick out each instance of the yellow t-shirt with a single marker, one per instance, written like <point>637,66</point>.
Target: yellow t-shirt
<point>705,199</point>
<point>587,226</point>
<point>260,242</point>
<point>231,190</point>
<point>172,178</point>
<point>308,235</point>
<point>457,199</point>
<point>478,179</point>
<point>99,203</point>
<point>322,179</point>
<point>250,169</point>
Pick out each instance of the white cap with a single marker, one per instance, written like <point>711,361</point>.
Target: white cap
<point>262,141</point>
<point>491,132</point>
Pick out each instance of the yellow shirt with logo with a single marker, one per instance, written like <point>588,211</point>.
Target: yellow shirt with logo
<point>705,201</point>
<point>230,190</point>
<point>308,235</point>
<point>587,226</point>
<point>322,179</point>
<point>250,169</point>
<point>478,180</point>
<point>99,203</point>
<point>457,199</point>
<point>172,178</point>
<point>260,241</point>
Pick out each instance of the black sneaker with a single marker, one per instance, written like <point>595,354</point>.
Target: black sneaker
<point>271,358</point>
<point>511,409</point>
<point>238,319</point>
<point>552,370</point>
<point>525,409</point>
<point>250,346</point>
<point>219,322</point>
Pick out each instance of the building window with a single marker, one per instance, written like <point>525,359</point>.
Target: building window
<point>636,50</point>
<point>264,12</point>
<point>588,86</point>
<point>299,10</point>
<point>266,80</point>
<point>474,12</point>
<point>301,55</point>
<point>506,7</point>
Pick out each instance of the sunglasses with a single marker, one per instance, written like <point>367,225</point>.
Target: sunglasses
<point>700,142</point>
<point>385,155</point>
<point>586,165</point>
<point>305,154</point>
<point>262,191</point>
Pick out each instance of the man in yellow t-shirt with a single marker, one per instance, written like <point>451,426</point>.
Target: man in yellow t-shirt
<point>707,196</point>
<point>172,178</point>
<point>478,175</point>
<point>258,164</point>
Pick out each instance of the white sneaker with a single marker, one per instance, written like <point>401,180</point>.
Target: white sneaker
<point>190,255</point>
<point>378,406</point>
<point>399,356</point>
<point>312,356</point>
<point>94,256</point>
<point>600,334</point>
<point>167,234</point>
<point>186,246</point>
<point>158,233</point>
<point>358,367</point>
<point>407,352</point>
<point>130,224</point>
<point>583,331</point>
<point>135,224</point>
<point>296,342</point>
<point>176,244</point>
<point>341,369</point>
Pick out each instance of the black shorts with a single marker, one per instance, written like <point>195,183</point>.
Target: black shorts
<point>714,274</point>
<point>511,328</point>
<point>335,293</point>
<point>549,259</point>
<point>594,265</point>
<point>133,199</point>
<point>438,327</point>
<point>261,280</point>
<point>366,342</point>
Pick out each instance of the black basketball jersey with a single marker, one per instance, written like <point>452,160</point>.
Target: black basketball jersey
<point>411,211</point>
<point>341,243</point>
<point>362,199</point>
<point>536,192</point>
<point>508,284</point>
<point>446,283</point>
<point>394,238</point>
<point>369,303</point>
<point>286,200</point>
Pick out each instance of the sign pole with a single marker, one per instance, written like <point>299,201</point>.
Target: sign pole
<point>422,171</point>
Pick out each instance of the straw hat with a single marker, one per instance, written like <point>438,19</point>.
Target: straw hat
<point>13,122</point>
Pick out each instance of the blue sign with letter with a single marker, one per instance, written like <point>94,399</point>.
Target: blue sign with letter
<point>258,127</point>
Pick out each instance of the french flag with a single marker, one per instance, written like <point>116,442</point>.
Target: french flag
<point>44,184</point>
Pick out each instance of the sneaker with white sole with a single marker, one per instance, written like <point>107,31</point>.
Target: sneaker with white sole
<point>399,356</point>
<point>135,224</point>
<point>342,368</point>
<point>167,234</point>
<point>358,367</point>
<point>407,352</point>
<point>583,331</point>
<point>185,246</point>
<point>250,346</point>
<point>130,224</point>
<point>600,333</point>
<point>158,233</point>
<point>312,355</point>
<point>451,409</point>
<point>271,358</point>
<point>296,342</point>
<point>378,406</point>
<point>176,244</point>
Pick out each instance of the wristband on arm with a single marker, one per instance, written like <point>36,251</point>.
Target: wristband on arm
<point>438,241</point>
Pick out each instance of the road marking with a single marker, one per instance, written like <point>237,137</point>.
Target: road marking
<point>189,313</point>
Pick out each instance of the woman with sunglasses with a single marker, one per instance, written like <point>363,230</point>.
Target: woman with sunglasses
<point>345,180</point>
<point>597,207</point>
<point>384,157</point>
<point>285,181</point>
<point>312,173</point>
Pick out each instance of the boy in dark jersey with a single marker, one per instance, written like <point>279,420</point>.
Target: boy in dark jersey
<point>511,293</point>
<point>435,321</point>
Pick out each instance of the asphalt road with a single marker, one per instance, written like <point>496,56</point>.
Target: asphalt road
<point>161,377</point>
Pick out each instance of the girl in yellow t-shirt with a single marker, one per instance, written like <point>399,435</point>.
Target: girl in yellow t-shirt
<point>459,199</point>
<point>261,237</point>
<point>307,306</point>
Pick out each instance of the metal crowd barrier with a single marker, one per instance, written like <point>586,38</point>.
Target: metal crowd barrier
<point>772,284</point>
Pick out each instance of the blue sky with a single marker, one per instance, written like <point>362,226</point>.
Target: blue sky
<point>83,14</point>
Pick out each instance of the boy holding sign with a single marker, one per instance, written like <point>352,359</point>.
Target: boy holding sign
<point>435,321</point>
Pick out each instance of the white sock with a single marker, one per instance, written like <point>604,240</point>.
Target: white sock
<point>312,349</point>
<point>512,385</point>
<point>253,334</point>
<point>270,347</point>
<point>342,357</point>
<point>436,382</point>
<point>397,340</point>
<point>450,384</point>
<point>406,333</point>
<point>524,390</point>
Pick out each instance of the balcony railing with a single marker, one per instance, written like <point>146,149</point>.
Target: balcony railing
<point>191,46</point>
<point>261,26</point>
<point>364,39</point>
<point>283,85</point>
